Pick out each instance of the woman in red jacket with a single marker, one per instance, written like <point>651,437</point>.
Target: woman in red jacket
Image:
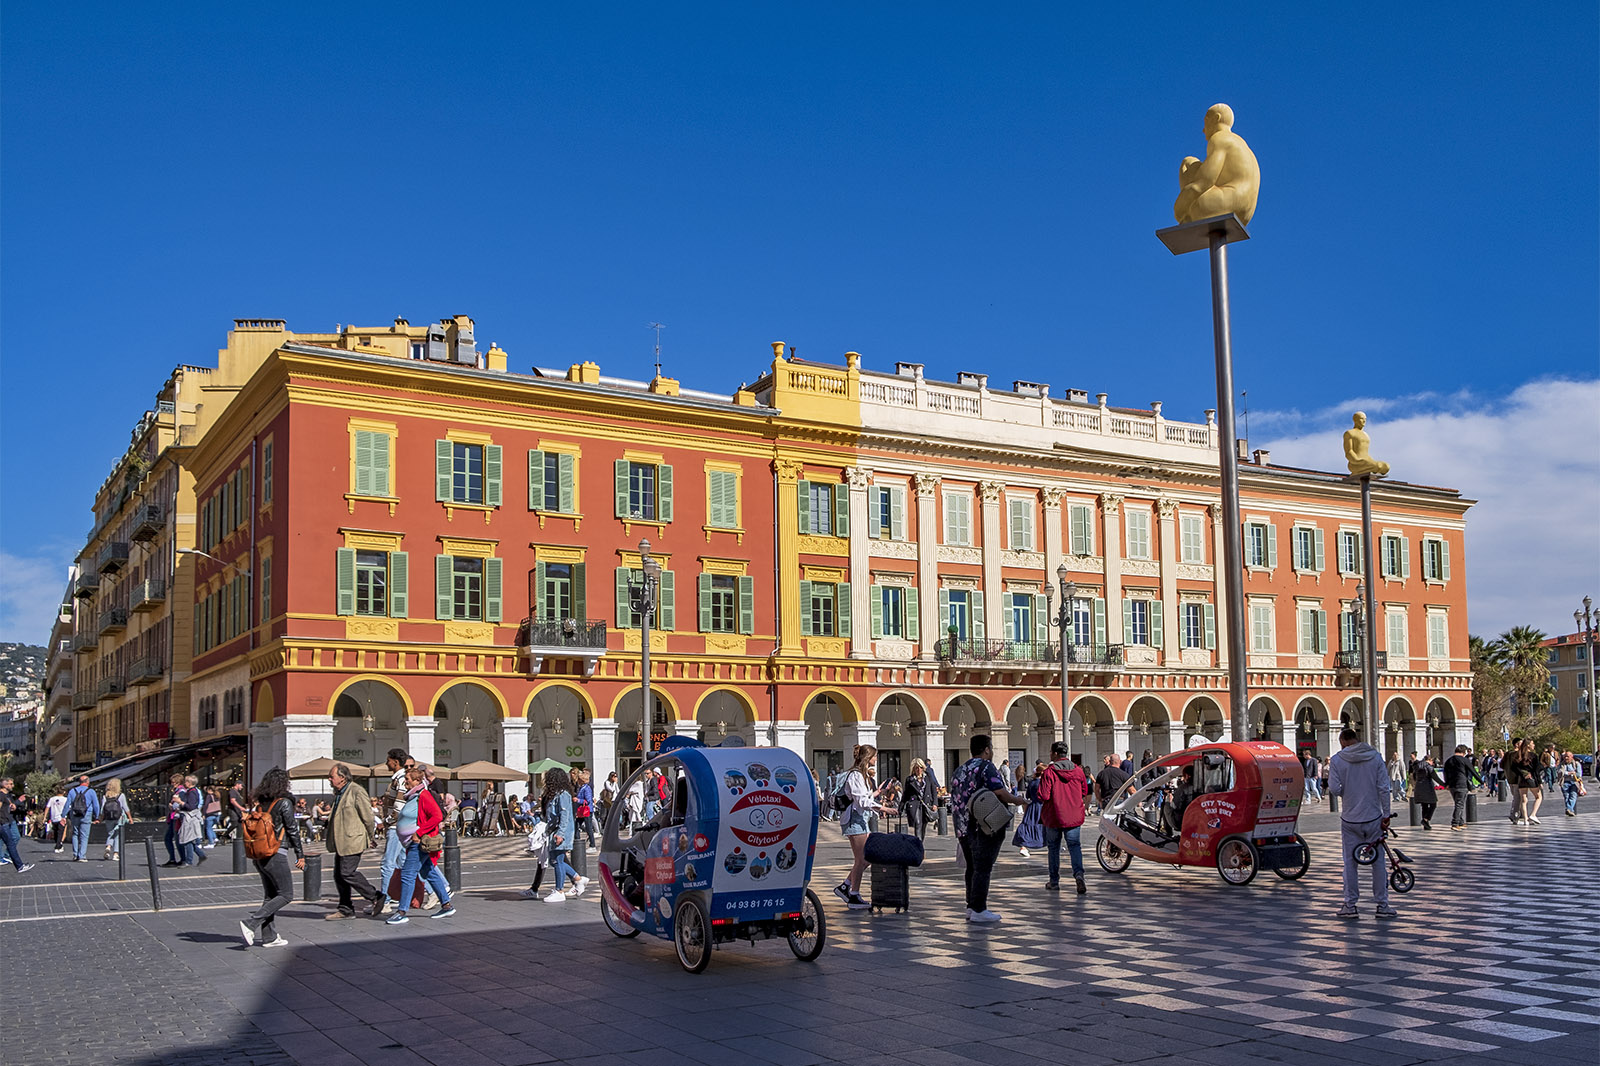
<point>420,819</point>
<point>1063,788</point>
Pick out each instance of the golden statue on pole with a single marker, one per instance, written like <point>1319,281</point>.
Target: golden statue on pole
<point>1226,182</point>
<point>1357,449</point>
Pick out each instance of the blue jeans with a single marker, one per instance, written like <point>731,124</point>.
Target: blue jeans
<point>9,836</point>
<point>114,838</point>
<point>80,836</point>
<point>563,868</point>
<point>211,828</point>
<point>1052,840</point>
<point>172,842</point>
<point>419,862</point>
<point>1569,792</point>
<point>1313,788</point>
<point>393,855</point>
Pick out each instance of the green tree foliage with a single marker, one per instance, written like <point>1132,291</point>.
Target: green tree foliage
<point>1511,686</point>
<point>42,783</point>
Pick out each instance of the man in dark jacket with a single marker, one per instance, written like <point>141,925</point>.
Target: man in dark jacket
<point>1063,789</point>
<point>1458,779</point>
<point>1108,780</point>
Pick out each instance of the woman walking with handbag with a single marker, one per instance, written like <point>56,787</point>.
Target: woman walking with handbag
<point>418,828</point>
<point>556,802</point>
<point>921,802</point>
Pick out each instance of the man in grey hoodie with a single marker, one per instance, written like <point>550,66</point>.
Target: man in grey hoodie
<point>1357,774</point>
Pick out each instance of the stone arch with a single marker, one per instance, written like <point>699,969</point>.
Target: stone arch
<point>910,701</point>
<point>264,704</point>
<point>567,705</point>
<point>833,729</point>
<point>1313,725</point>
<point>457,701</point>
<point>401,694</point>
<point>1264,719</point>
<point>1443,727</point>
<point>902,727</point>
<point>662,698</point>
<point>1150,726</point>
<point>964,715</point>
<point>548,687</point>
<point>1091,729</point>
<point>1203,716</point>
<point>975,704</point>
<point>1030,728</point>
<point>1400,729</point>
<point>1352,713</point>
<point>390,707</point>
<point>495,697</point>
<point>739,697</point>
<point>726,712</point>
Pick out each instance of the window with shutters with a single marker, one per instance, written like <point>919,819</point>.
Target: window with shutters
<point>552,481</point>
<point>886,512</point>
<point>1138,533</point>
<point>957,519</point>
<point>1021,616</point>
<point>1199,626</point>
<point>644,490</point>
<point>1192,537</point>
<point>1435,559</point>
<point>1312,624</point>
<point>1260,545</point>
<point>1398,644</point>
<point>1349,551</point>
<point>1393,559</point>
<point>1308,549</point>
<point>1080,528</point>
<point>372,458</point>
<point>1262,637</point>
<point>1139,622</point>
<point>266,588</point>
<point>890,609</point>
<point>556,599</point>
<point>722,498</point>
<point>372,582</point>
<point>629,592</point>
<point>1439,639</point>
<point>958,614</point>
<point>1020,524</point>
<point>466,596</point>
<point>824,609</point>
<point>1349,635</point>
<point>467,471</point>
<point>1083,621</point>
<point>266,472</point>
<point>720,603</point>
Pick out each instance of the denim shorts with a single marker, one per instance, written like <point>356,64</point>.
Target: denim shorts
<point>855,822</point>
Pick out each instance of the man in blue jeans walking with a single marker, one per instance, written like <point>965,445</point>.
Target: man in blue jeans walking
<point>83,810</point>
<point>1063,793</point>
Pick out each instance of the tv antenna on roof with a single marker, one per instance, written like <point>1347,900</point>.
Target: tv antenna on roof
<point>658,327</point>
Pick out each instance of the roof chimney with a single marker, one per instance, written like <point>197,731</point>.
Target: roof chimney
<point>1262,455</point>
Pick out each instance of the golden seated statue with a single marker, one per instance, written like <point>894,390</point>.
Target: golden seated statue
<point>1357,447</point>
<point>1226,182</point>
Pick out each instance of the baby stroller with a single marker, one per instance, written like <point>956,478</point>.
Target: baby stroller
<point>1400,878</point>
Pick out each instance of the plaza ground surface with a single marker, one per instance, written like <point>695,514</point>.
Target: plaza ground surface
<point>1495,958</point>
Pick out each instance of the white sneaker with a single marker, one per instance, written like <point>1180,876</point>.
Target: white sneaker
<point>557,896</point>
<point>529,893</point>
<point>583,883</point>
<point>984,917</point>
<point>1535,820</point>
<point>278,942</point>
<point>1023,852</point>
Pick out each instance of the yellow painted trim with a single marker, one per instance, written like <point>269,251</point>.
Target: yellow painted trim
<point>634,561</point>
<point>468,436</point>
<point>374,426</point>
<point>578,690</point>
<point>405,700</point>
<point>832,574</point>
<point>838,695</point>
<point>371,538</point>
<point>499,700</point>
<point>744,700</point>
<point>392,432</point>
<point>543,554</point>
<point>561,446</point>
<point>655,690</point>
<point>467,547</point>
<point>726,567</point>
<point>635,456</point>
<point>263,705</point>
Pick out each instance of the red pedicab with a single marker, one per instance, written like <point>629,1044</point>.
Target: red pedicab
<point>1232,806</point>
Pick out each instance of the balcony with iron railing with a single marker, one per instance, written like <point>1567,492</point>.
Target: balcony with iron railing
<point>87,584</point>
<point>85,641</point>
<point>148,595</point>
<point>1001,651</point>
<point>113,557</point>
<point>113,620</point>
<point>570,638</point>
<point>1350,661</point>
<point>146,670</point>
<point>83,700</point>
<point>148,521</point>
<point>111,687</point>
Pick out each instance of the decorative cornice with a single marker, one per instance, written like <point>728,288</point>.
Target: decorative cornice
<point>858,477</point>
<point>1166,507</point>
<point>990,491</point>
<point>1111,502</point>
<point>927,484</point>
<point>1051,495</point>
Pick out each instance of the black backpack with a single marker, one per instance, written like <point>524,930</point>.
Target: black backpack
<point>80,803</point>
<point>111,811</point>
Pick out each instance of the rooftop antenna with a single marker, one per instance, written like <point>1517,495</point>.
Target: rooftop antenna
<point>658,327</point>
<point>1245,395</point>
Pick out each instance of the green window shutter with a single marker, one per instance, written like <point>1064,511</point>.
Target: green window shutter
<point>805,609</point>
<point>944,611</point>
<point>625,619</point>
<point>567,493</point>
<point>1041,621</point>
<point>803,492</point>
<point>1008,621</point>
<point>875,604</point>
<point>1127,621</point>
<point>1079,518</point>
<point>1322,559</point>
<point>874,513</point>
<point>841,510</point>
<point>705,603</point>
<point>399,584</point>
<point>1444,560</point>
<point>667,596</point>
<point>1405,557</point>
<point>1157,623</point>
<point>492,589</point>
<point>714,511</point>
<point>364,462</point>
<point>536,608</point>
<point>975,605</point>
<point>380,465</point>
<point>441,469</point>
<point>443,587</point>
<point>664,492</point>
<point>747,605</point>
<point>580,591</point>
<point>897,514</point>
<point>1099,621</point>
<point>1211,626</point>
<point>345,579</point>
<point>491,474</point>
<point>621,468</point>
<point>843,608</point>
<point>1272,546</point>
<point>1322,631</point>
<point>913,619</point>
<point>535,480</point>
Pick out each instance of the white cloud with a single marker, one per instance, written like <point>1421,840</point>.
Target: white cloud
<point>1530,459</point>
<point>31,587</point>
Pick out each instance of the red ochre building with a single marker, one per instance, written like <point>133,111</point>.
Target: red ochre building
<point>411,545</point>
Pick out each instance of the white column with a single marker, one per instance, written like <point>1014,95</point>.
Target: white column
<point>1324,739</point>
<point>1172,637</point>
<point>1286,733</point>
<point>1050,519</point>
<point>1227,729</point>
<point>1121,733</point>
<point>603,747</point>
<point>1111,535</point>
<point>1464,731</point>
<point>989,493</point>
<point>419,738</point>
<point>264,749</point>
<point>306,737</point>
<point>1419,737</point>
<point>860,733</point>
<point>860,575</point>
<point>1000,739</point>
<point>791,735</point>
<point>686,727</point>
<point>514,743</point>
<point>927,486</point>
<point>932,750</point>
<point>1174,736</point>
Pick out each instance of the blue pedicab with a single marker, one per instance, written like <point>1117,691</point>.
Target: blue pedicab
<point>727,858</point>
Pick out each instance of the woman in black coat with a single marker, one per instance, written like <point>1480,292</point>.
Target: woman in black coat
<point>919,800</point>
<point>1424,780</point>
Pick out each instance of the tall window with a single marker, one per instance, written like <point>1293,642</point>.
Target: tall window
<point>825,607</point>
<point>722,499</point>
<point>1020,514</point>
<point>631,581</point>
<point>1349,638</point>
<point>1138,534</point>
<point>552,482</point>
<point>1398,646</point>
<point>1138,628</point>
<point>1349,551</point>
<point>1439,643</point>
<point>369,582</point>
<point>887,511</point>
<point>642,490</point>
<point>557,594</point>
<point>892,612</point>
<point>1199,625</point>
<point>1313,630</point>
<point>468,588</point>
<point>1435,560</point>
<point>266,472</point>
<point>1260,545</point>
<point>1080,524</point>
<point>1308,551</point>
<point>372,583</point>
<point>1261,635</point>
<point>1192,530</point>
<point>466,473</point>
<point>372,463</point>
<point>1395,561</point>
<point>824,509</point>
<point>958,613</point>
<point>1021,616</point>
<point>1083,622</point>
<point>957,519</point>
<point>722,603</point>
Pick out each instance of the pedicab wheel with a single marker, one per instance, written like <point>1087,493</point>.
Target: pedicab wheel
<point>1237,861</point>
<point>614,921</point>
<point>1366,854</point>
<point>691,933</point>
<point>806,942</point>
<point>1402,880</point>
<point>1297,871</point>
<point>1112,858</point>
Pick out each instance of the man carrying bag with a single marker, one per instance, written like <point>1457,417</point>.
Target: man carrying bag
<point>978,799</point>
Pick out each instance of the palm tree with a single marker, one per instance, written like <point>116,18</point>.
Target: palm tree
<point>1520,654</point>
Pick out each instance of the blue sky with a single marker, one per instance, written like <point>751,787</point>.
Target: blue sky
<point>971,190</point>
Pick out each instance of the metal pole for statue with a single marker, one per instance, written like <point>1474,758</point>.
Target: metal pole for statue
<point>1369,653</point>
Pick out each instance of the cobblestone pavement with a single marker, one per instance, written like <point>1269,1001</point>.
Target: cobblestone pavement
<point>1493,959</point>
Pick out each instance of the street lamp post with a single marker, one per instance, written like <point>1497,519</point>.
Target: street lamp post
<point>644,602</point>
<point>1063,622</point>
<point>1587,620</point>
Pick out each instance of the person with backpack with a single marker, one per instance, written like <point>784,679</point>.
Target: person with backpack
<point>267,828</point>
<point>856,799</point>
<point>1063,793</point>
<point>980,822</point>
<point>83,810</point>
<point>114,812</point>
<point>418,828</point>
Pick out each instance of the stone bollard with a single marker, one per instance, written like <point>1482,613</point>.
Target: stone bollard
<point>155,874</point>
<point>580,855</point>
<point>1472,806</point>
<point>1500,790</point>
<point>1413,813</point>
<point>122,861</point>
<point>1333,804</point>
<point>451,856</point>
<point>311,880</point>
<point>240,863</point>
<point>944,821</point>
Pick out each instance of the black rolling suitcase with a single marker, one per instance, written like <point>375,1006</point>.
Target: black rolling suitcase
<point>891,856</point>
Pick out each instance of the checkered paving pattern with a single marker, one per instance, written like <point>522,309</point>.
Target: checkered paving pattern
<point>1495,947</point>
